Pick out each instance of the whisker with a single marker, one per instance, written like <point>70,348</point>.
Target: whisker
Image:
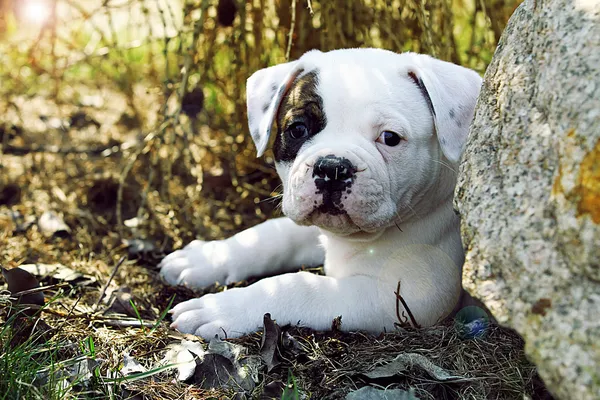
<point>399,220</point>
<point>444,164</point>
<point>272,198</point>
<point>398,226</point>
<point>413,211</point>
<point>399,217</point>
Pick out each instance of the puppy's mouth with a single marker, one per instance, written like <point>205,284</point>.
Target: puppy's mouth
<point>339,222</point>
<point>342,223</point>
<point>332,202</point>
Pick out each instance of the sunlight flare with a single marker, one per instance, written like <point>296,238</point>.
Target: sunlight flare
<point>36,11</point>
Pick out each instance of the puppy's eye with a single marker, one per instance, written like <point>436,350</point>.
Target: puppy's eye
<point>389,138</point>
<point>297,130</point>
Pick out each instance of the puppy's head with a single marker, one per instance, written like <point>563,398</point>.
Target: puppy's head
<point>366,138</point>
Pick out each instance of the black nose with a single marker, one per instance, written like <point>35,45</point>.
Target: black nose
<point>333,175</point>
<point>332,168</point>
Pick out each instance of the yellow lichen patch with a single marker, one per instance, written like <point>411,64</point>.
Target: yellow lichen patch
<point>589,185</point>
<point>557,186</point>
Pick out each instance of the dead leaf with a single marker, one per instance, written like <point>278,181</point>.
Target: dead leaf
<point>83,370</point>
<point>371,393</point>
<point>55,271</point>
<point>78,371</point>
<point>289,343</point>
<point>26,323</point>
<point>269,343</point>
<point>58,272</point>
<point>228,350</point>
<point>19,280</point>
<point>223,364</point>
<point>10,194</point>
<point>120,302</point>
<point>131,366</point>
<point>336,324</point>
<point>405,362</point>
<point>184,356</point>
<point>273,390</point>
<point>245,367</point>
<point>51,224</point>
<point>215,371</point>
<point>26,328</point>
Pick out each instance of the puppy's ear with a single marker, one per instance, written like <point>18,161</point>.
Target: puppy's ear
<point>264,91</point>
<point>451,92</point>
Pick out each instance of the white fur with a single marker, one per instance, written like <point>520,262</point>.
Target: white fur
<point>399,224</point>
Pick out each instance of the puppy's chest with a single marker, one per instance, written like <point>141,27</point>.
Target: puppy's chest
<point>344,259</point>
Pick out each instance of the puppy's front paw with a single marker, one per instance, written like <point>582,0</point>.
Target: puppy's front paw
<point>197,265</point>
<point>232,313</point>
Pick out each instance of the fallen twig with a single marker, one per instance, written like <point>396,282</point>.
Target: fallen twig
<point>291,34</point>
<point>38,289</point>
<point>404,319</point>
<point>127,323</point>
<point>91,150</point>
<point>110,278</point>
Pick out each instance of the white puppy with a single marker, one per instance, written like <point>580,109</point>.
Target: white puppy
<point>367,146</point>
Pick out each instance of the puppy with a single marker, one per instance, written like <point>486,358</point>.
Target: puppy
<point>367,147</point>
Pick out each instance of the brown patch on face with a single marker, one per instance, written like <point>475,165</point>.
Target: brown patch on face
<point>300,105</point>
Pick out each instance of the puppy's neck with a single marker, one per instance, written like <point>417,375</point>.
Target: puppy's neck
<point>439,228</point>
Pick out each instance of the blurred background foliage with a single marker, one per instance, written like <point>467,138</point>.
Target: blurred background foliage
<point>128,116</point>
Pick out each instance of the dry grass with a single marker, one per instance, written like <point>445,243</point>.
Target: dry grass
<point>166,178</point>
<point>492,366</point>
<point>329,364</point>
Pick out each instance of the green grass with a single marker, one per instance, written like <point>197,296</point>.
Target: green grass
<point>33,368</point>
<point>291,391</point>
<point>21,363</point>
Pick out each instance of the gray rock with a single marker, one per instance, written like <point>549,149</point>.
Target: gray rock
<point>529,190</point>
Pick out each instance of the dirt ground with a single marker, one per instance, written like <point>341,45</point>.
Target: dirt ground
<point>63,203</point>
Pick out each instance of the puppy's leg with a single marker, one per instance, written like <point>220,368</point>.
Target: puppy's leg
<point>366,300</point>
<point>295,298</point>
<point>274,246</point>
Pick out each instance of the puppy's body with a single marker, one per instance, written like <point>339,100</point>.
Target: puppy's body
<point>366,147</point>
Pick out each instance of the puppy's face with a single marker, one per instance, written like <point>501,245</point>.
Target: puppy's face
<point>353,148</point>
<point>356,144</point>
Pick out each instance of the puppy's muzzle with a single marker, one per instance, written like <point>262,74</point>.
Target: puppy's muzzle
<point>333,178</point>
